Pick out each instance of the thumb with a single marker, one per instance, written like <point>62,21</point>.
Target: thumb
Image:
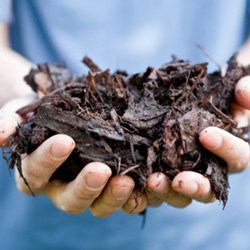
<point>8,123</point>
<point>242,92</point>
<point>9,119</point>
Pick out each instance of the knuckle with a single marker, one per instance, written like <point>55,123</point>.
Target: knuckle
<point>140,209</point>
<point>184,205</point>
<point>34,182</point>
<point>130,207</point>
<point>113,205</point>
<point>210,200</point>
<point>68,209</point>
<point>125,210</point>
<point>47,162</point>
<point>155,202</point>
<point>172,196</point>
<point>84,193</point>
<point>246,156</point>
<point>106,208</point>
<point>182,202</point>
<point>169,197</point>
<point>241,164</point>
<point>97,213</point>
<point>69,206</point>
<point>204,197</point>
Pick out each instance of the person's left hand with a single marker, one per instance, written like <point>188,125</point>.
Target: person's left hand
<point>189,185</point>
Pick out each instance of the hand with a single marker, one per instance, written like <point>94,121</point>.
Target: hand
<point>235,152</point>
<point>93,189</point>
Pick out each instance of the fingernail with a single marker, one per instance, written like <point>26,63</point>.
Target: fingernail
<point>210,139</point>
<point>61,149</point>
<point>95,181</point>
<point>193,188</point>
<point>190,188</point>
<point>120,192</point>
<point>243,83</point>
<point>161,187</point>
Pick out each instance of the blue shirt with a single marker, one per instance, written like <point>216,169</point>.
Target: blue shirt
<point>130,35</point>
<point>127,35</point>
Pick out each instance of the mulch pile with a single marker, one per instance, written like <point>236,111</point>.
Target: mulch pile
<point>136,124</point>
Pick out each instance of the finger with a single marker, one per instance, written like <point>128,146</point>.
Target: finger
<point>39,166</point>
<point>8,123</point>
<point>240,114</point>
<point>194,186</point>
<point>136,203</point>
<point>17,103</point>
<point>242,92</point>
<point>9,119</point>
<point>77,196</point>
<point>160,185</point>
<point>234,151</point>
<point>114,196</point>
<point>152,200</point>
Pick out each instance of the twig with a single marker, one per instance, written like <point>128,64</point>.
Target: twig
<point>129,169</point>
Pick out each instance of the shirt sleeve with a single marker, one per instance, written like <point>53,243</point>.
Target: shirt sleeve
<point>5,11</point>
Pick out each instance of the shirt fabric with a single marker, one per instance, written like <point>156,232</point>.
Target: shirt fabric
<point>130,35</point>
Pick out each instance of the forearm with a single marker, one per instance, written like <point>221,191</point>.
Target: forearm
<point>244,53</point>
<point>13,68</point>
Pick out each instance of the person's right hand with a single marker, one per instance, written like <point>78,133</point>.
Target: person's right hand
<point>188,185</point>
<point>93,188</point>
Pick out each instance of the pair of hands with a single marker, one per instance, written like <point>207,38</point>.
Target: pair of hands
<point>94,188</point>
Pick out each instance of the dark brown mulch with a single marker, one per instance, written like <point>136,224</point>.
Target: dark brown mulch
<point>136,124</point>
